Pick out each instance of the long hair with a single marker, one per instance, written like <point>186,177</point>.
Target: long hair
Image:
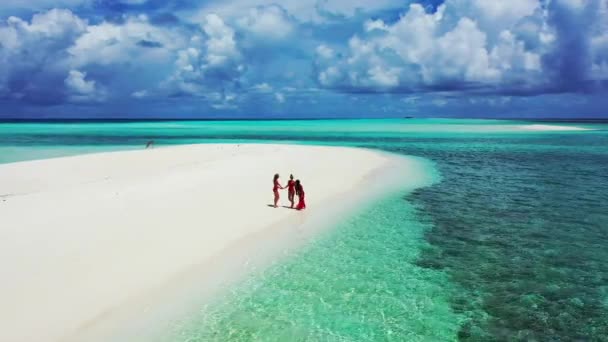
<point>274,179</point>
<point>298,187</point>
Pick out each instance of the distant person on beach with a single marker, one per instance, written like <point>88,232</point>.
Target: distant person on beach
<point>291,190</point>
<point>301,195</point>
<point>275,189</point>
<point>150,143</point>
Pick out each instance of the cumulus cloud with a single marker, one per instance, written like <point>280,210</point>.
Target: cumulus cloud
<point>217,52</point>
<point>112,43</point>
<point>33,55</point>
<point>211,65</point>
<point>80,89</point>
<point>492,16</point>
<point>58,57</point>
<point>221,46</point>
<point>470,45</point>
<point>76,82</point>
<point>267,22</point>
<point>42,61</point>
<point>324,52</point>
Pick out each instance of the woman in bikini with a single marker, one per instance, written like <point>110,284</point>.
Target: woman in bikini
<point>275,189</point>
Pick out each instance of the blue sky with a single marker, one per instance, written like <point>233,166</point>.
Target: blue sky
<point>303,58</point>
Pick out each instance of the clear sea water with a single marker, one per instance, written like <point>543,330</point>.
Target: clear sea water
<point>509,244</point>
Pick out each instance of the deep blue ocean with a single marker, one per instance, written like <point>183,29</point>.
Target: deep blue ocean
<point>510,243</point>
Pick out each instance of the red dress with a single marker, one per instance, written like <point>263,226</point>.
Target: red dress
<point>301,200</point>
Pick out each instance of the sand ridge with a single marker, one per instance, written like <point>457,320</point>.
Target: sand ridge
<point>81,236</point>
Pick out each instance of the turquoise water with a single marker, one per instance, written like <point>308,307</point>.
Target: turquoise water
<point>24,141</point>
<point>511,244</point>
<point>355,284</point>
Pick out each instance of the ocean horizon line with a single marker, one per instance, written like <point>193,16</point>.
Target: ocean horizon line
<point>129,120</point>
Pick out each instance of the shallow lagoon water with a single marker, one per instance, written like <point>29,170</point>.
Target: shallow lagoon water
<point>352,284</point>
<point>509,245</point>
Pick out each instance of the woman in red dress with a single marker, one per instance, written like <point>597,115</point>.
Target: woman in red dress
<point>291,190</point>
<point>301,196</point>
<point>275,189</point>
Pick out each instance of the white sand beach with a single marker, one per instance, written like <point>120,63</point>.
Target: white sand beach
<point>92,239</point>
<point>539,127</point>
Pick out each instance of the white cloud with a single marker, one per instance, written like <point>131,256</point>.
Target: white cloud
<point>211,65</point>
<point>463,56</point>
<point>221,46</point>
<point>510,55</point>
<point>377,24</point>
<point>108,43</point>
<point>325,52</point>
<point>267,22</point>
<point>492,16</point>
<point>262,47</point>
<point>56,27</point>
<point>223,100</point>
<point>140,94</point>
<point>330,76</point>
<point>262,88</point>
<point>80,89</point>
<point>383,77</point>
<point>76,82</point>
<point>442,49</point>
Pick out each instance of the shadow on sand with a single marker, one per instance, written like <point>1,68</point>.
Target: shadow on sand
<point>282,206</point>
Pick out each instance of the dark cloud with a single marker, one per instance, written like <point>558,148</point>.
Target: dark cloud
<point>149,44</point>
<point>34,56</point>
<point>164,18</point>
<point>570,60</point>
